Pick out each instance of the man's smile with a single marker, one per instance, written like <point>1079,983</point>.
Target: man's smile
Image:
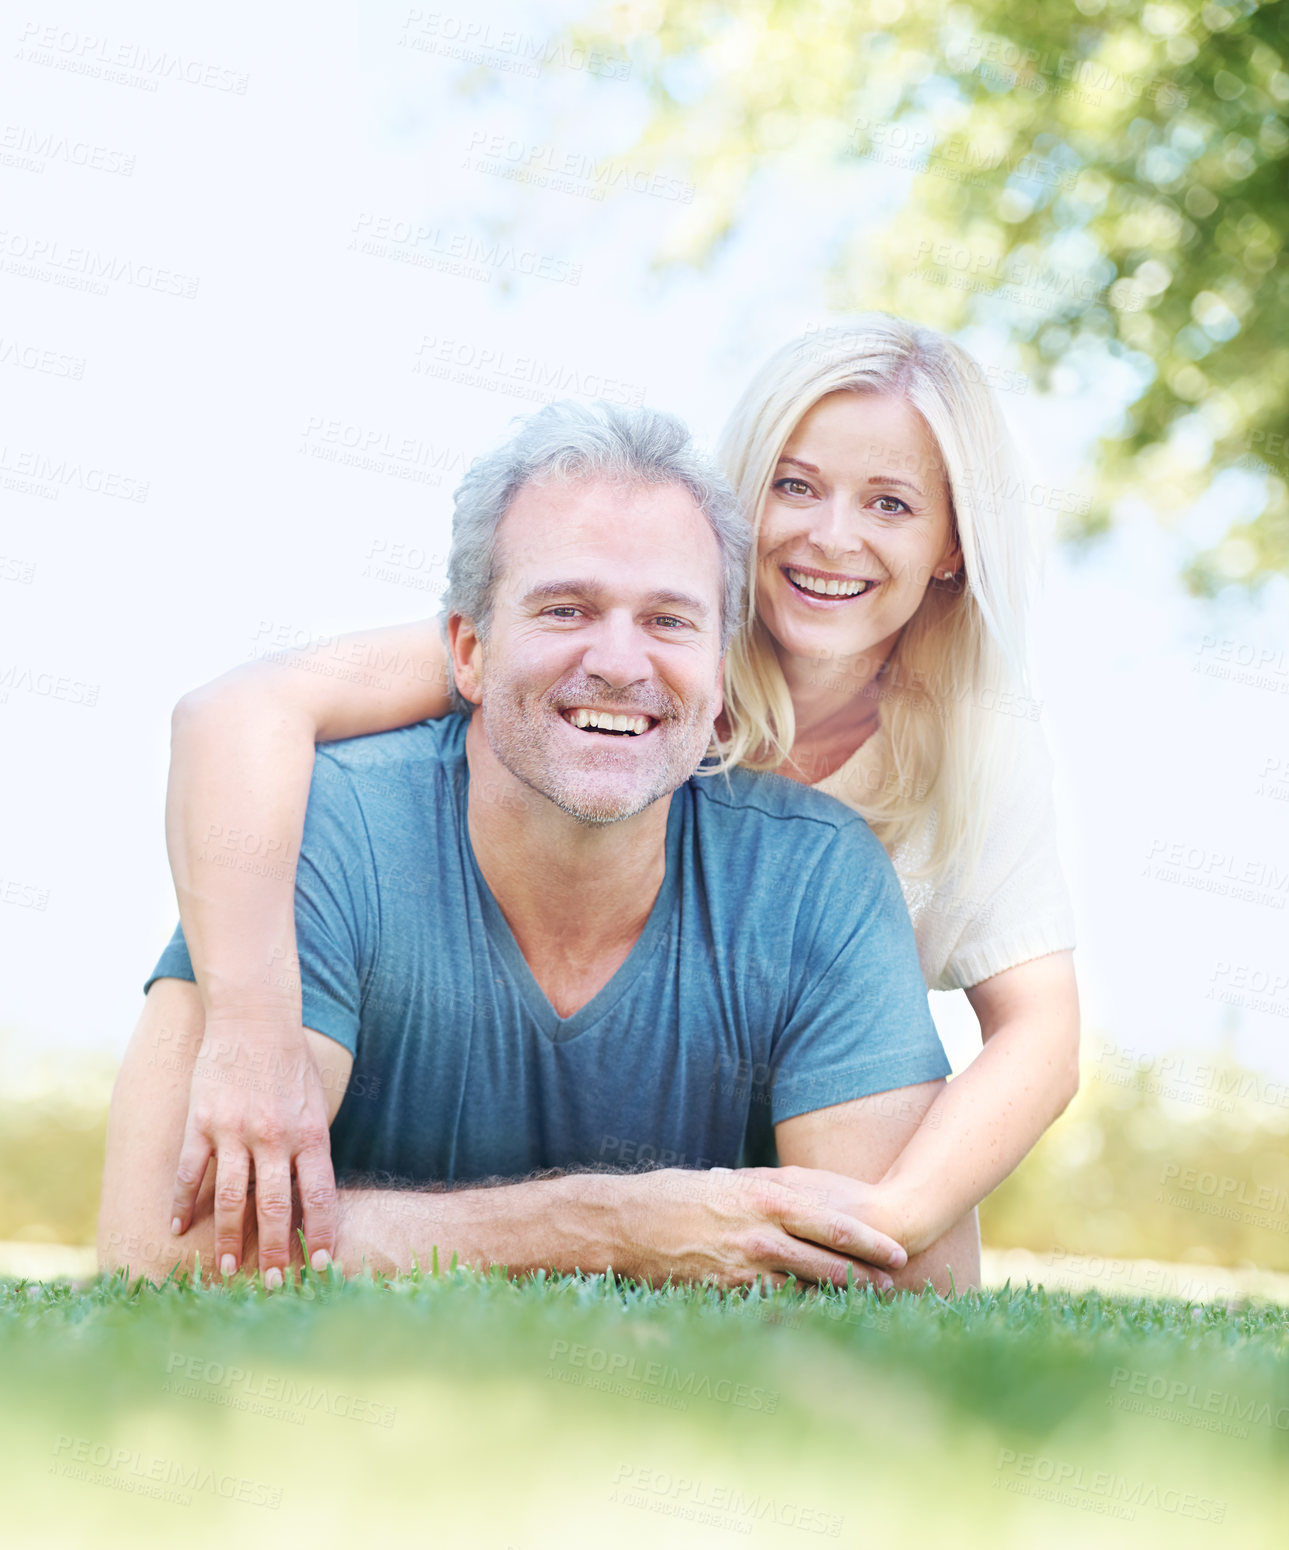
<point>615,723</point>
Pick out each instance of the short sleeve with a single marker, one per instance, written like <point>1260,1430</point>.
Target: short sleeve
<point>1017,907</point>
<point>335,915</point>
<point>859,1021</point>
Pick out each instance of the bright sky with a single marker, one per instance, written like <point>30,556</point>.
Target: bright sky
<point>306,248</point>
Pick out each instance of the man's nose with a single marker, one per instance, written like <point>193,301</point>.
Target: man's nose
<point>617,651</point>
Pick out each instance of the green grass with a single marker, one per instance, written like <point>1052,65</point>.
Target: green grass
<point>545,1411</point>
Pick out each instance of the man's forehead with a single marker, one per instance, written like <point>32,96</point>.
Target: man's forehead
<point>581,529</point>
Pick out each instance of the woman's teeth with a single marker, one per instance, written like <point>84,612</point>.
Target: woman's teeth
<point>605,721</point>
<point>827,586</point>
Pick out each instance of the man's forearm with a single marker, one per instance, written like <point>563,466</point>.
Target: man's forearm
<point>562,1224</point>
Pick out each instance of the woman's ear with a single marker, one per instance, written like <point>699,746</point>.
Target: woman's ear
<point>949,565</point>
<point>465,657</point>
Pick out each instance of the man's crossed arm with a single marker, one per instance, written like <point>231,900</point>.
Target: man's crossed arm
<point>817,1218</point>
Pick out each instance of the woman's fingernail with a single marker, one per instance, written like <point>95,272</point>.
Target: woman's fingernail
<point>321,1259</point>
<point>176,1226</point>
<point>227,1265</point>
<point>273,1279</point>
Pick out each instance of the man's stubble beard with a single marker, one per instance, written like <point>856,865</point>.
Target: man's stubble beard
<point>522,738</point>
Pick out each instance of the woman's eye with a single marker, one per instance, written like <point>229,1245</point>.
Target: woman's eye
<point>896,503</point>
<point>793,486</point>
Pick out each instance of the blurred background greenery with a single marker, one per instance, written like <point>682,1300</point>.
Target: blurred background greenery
<point>1103,182</point>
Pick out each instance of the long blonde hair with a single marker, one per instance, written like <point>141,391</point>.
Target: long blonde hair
<point>958,663</point>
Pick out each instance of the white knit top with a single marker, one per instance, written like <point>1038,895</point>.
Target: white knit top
<point>1017,907</point>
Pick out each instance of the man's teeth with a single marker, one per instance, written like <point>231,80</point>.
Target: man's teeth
<point>605,721</point>
<point>829,587</point>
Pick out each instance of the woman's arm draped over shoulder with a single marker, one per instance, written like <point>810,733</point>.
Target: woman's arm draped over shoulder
<point>242,750</point>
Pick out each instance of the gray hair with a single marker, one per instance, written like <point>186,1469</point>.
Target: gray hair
<point>572,440</point>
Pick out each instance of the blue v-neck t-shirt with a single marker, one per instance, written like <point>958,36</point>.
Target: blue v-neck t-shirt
<point>776,974</point>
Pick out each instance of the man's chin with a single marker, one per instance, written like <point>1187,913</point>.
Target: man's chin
<point>592,804</point>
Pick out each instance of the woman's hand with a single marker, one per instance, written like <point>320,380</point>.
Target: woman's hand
<point>735,1226</point>
<point>258,1102</point>
<point>876,1205</point>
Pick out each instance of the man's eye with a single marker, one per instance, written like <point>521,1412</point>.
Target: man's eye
<point>563,611</point>
<point>670,621</point>
<point>801,487</point>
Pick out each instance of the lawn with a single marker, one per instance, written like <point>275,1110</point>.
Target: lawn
<point>540,1413</point>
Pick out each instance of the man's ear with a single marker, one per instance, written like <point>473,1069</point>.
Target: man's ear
<point>465,652</point>
<point>720,688</point>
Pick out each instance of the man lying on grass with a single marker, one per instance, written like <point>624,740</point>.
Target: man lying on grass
<point>534,941</point>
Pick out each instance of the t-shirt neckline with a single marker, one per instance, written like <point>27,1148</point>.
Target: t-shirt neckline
<point>556,1028</point>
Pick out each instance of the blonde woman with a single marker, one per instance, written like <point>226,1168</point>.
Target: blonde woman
<point>883,662</point>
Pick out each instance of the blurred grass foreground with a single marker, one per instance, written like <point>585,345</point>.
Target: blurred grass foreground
<point>1180,1158</point>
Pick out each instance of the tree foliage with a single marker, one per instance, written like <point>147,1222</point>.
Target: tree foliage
<point>1104,181</point>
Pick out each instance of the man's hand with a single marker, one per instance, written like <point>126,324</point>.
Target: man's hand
<point>731,1227</point>
<point>258,1101</point>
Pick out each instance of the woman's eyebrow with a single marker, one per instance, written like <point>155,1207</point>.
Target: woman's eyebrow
<point>872,478</point>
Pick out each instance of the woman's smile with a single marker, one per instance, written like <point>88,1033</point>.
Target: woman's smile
<point>818,586</point>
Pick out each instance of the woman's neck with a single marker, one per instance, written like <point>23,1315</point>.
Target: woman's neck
<point>836,705</point>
